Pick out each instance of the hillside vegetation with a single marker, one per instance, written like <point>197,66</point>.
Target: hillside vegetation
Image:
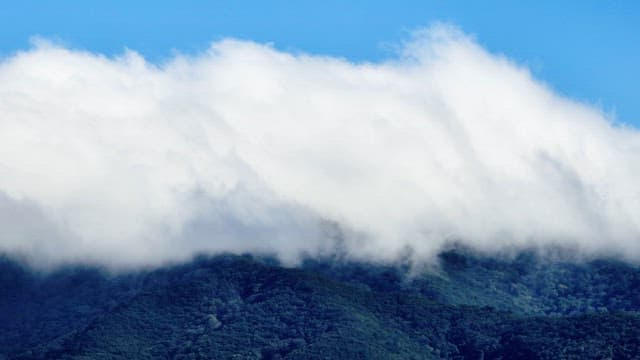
<point>240,307</point>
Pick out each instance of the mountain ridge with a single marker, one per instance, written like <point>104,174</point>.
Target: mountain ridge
<point>231,306</point>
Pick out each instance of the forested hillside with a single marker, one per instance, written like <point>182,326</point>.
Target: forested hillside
<point>241,307</point>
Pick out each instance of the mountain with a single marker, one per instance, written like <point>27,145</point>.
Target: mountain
<point>243,307</point>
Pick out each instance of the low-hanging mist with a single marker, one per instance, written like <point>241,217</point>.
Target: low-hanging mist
<point>245,148</point>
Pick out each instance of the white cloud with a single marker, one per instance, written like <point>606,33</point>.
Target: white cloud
<point>246,148</point>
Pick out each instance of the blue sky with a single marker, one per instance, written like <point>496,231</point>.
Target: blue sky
<point>587,50</point>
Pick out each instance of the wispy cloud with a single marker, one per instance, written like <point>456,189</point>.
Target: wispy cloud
<point>246,148</point>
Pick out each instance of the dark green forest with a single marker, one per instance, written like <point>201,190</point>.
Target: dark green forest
<point>244,307</point>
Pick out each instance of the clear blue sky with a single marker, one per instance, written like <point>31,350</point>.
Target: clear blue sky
<point>588,50</point>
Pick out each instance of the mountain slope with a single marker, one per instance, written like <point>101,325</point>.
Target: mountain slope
<point>240,307</point>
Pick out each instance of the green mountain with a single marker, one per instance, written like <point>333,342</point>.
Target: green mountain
<point>240,307</point>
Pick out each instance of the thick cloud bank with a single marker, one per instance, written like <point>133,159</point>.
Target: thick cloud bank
<point>246,148</point>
